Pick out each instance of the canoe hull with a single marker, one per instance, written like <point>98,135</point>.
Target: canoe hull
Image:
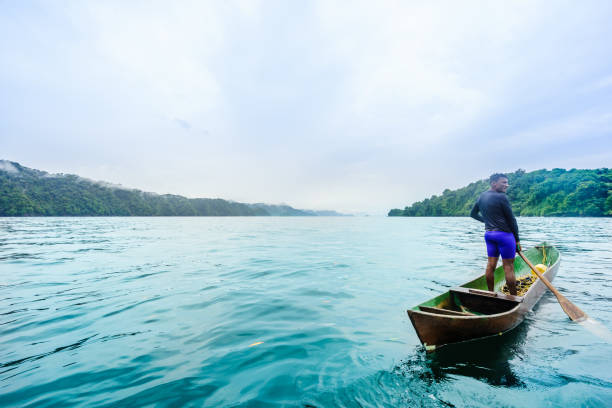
<point>436,330</point>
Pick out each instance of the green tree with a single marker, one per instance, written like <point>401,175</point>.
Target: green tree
<point>555,192</point>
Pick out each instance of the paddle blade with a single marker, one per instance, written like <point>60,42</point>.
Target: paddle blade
<point>571,309</point>
<point>568,307</point>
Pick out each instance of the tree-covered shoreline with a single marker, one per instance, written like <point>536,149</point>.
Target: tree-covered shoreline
<point>30,192</point>
<point>549,193</point>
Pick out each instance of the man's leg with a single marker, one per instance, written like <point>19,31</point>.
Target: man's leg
<point>510,278</point>
<point>490,272</point>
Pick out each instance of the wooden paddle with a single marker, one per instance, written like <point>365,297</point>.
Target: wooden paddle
<point>568,307</point>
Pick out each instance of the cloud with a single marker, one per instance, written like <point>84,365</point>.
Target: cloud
<point>7,166</point>
<point>161,53</point>
<point>416,70</point>
<point>316,104</point>
<point>564,130</point>
<point>599,84</point>
<point>183,123</point>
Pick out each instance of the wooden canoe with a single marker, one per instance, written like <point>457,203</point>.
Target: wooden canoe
<point>470,311</point>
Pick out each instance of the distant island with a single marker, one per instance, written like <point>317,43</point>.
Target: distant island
<point>556,192</point>
<point>30,192</point>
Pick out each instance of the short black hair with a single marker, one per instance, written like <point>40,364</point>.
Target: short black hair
<point>496,176</point>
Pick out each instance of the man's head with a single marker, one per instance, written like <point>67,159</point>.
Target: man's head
<point>499,182</point>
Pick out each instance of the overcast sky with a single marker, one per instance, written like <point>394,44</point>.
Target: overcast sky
<point>351,106</point>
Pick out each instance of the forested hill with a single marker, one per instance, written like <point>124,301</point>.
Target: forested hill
<point>556,192</point>
<point>29,192</point>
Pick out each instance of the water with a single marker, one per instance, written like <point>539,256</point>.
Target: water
<point>283,312</point>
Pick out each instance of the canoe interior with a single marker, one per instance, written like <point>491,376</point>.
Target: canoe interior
<point>458,301</point>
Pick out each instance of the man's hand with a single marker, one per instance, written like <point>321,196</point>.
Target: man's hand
<point>518,247</point>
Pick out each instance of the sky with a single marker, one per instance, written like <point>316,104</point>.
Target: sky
<point>354,106</point>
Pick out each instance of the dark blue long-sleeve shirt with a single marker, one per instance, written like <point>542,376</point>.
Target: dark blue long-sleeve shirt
<point>496,213</point>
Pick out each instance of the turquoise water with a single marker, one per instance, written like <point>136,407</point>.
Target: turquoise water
<point>297,311</point>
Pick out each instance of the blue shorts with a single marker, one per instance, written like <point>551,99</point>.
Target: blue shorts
<point>500,242</point>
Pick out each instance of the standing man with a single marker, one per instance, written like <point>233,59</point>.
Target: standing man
<point>501,230</point>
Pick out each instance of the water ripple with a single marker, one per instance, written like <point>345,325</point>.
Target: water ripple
<point>283,312</point>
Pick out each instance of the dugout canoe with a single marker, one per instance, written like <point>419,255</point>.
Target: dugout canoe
<point>470,311</point>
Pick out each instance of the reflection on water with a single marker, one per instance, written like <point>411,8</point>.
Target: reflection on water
<point>597,329</point>
<point>486,359</point>
<point>418,379</point>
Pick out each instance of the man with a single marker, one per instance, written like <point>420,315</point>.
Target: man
<point>501,230</point>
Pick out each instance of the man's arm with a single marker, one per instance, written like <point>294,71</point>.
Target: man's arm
<point>474,214</point>
<point>507,209</point>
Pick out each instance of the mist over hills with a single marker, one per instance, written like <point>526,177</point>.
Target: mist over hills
<point>31,192</point>
<point>556,192</point>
